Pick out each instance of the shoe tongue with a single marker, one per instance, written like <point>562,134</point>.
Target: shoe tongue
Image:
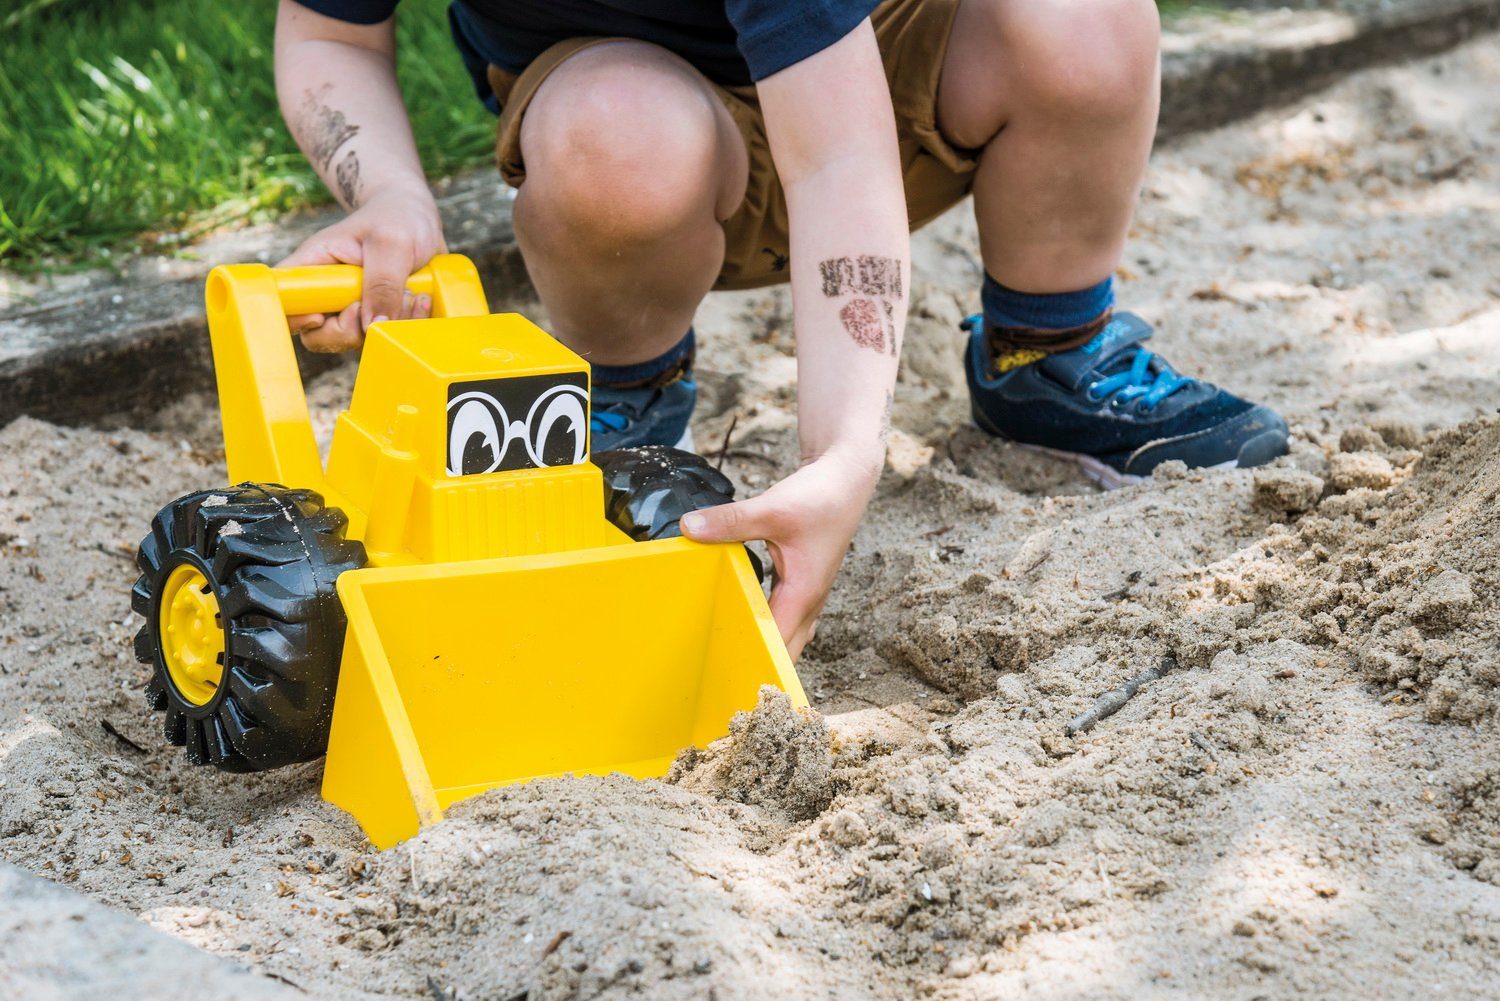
<point>1073,368</point>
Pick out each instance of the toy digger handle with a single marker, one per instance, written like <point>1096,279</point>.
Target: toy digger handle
<point>332,288</point>
<point>268,437</point>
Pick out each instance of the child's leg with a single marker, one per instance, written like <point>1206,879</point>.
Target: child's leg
<point>1062,95</point>
<point>632,164</point>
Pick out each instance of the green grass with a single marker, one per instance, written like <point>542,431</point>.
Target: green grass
<point>148,123</point>
<point>1172,9</point>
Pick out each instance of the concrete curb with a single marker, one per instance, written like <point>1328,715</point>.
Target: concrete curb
<point>96,346</point>
<point>57,944</point>
<point>89,347</point>
<point>1213,76</point>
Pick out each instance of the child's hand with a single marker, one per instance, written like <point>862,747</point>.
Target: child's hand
<point>807,520</point>
<point>394,233</point>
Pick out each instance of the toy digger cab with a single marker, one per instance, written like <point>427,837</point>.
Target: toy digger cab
<point>463,597</point>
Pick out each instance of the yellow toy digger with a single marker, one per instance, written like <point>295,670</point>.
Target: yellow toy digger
<point>462,598</point>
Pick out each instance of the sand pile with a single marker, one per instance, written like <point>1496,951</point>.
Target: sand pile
<point>775,757</point>
<point>1390,578</point>
<point>1393,581</point>
<point>1308,805</point>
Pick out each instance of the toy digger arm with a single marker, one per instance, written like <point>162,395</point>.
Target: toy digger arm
<point>268,435</point>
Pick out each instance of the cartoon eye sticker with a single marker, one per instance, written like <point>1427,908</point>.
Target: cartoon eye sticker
<point>556,427</point>
<point>482,437</point>
<point>478,433</point>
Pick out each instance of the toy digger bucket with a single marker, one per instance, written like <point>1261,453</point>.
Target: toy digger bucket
<point>461,677</point>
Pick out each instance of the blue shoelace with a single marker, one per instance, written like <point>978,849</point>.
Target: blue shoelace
<point>607,420</point>
<point>1138,382</point>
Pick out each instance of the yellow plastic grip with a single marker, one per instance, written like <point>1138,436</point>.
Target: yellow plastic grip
<point>330,288</point>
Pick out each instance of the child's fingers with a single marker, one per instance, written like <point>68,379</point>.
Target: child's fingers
<point>311,252</point>
<point>416,307</point>
<point>329,246</point>
<point>796,609</point>
<point>337,333</point>
<point>305,322</point>
<point>741,521</point>
<point>387,265</point>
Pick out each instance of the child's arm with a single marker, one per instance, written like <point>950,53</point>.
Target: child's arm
<point>337,85</point>
<point>833,137</point>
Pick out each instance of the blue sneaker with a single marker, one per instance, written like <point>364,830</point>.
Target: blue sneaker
<point>1116,409</point>
<point>652,415</point>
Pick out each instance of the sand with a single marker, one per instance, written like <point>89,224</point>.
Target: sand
<point>1308,805</point>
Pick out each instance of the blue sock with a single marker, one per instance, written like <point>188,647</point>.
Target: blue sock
<point>644,373</point>
<point>1060,311</point>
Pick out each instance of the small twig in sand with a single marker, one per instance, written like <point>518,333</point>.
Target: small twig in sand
<point>109,728</point>
<point>121,553</point>
<point>290,983</point>
<point>557,940</point>
<point>1110,702</point>
<point>1037,563</point>
<point>689,866</point>
<point>724,448</point>
<point>1203,746</point>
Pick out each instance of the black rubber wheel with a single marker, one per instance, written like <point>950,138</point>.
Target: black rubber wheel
<point>647,490</point>
<point>259,563</point>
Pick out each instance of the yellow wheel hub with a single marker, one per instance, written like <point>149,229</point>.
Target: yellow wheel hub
<point>192,639</point>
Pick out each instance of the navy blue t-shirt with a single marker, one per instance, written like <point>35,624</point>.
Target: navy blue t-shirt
<point>730,42</point>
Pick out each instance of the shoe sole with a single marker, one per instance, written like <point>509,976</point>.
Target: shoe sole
<point>1101,473</point>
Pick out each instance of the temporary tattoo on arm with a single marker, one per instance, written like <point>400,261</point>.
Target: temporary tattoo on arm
<point>346,175</point>
<point>870,318</point>
<point>862,319</point>
<point>324,129</point>
<point>863,275</point>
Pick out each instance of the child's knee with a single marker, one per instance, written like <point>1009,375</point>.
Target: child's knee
<point>1090,60</point>
<point>621,154</point>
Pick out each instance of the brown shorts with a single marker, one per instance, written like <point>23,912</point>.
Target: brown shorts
<point>913,38</point>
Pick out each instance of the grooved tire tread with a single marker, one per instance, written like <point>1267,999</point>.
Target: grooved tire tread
<point>272,557</point>
<point>647,489</point>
